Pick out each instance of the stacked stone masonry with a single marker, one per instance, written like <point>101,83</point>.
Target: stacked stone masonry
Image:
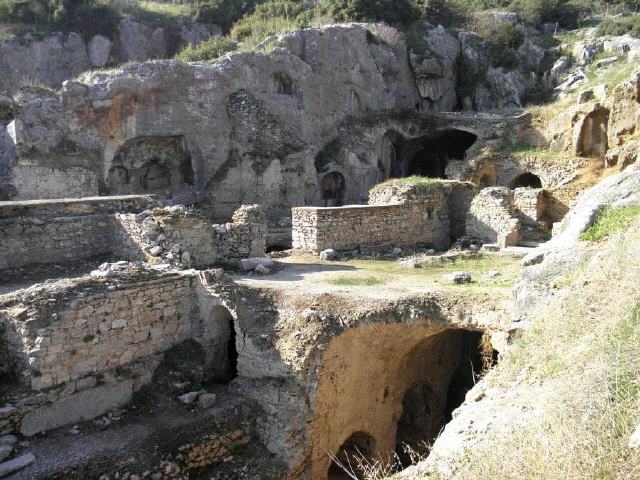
<point>81,354</point>
<point>493,218</point>
<point>75,231</point>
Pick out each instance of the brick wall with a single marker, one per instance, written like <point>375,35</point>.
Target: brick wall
<point>492,217</point>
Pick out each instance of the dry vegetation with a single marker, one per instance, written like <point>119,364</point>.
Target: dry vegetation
<point>581,361</point>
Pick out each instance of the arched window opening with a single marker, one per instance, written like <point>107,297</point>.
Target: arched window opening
<point>527,180</point>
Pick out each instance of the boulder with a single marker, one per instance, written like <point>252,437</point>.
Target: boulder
<point>458,278</point>
<point>139,43</point>
<point>5,451</point>
<point>99,49</point>
<point>189,398</point>
<point>248,264</point>
<point>15,464</point>
<point>329,254</point>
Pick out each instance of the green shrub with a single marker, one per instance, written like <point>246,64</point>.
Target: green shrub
<point>270,18</point>
<point>394,12</point>
<point>88,17</point>
<point>222,12</point>
<point>621,26</point>
<point>210,49</point>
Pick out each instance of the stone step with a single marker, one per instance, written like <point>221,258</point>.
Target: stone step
<point>16,464</point>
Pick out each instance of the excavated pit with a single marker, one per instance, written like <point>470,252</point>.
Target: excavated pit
<point>385,390</point>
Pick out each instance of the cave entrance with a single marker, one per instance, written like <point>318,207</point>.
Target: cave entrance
<point>346,462</point>
<point>526,180</point>
<point>426,156</point>
<point>332,187</point>
<point>426,409</point>
<point>150,164</point>
<point>432,154</point>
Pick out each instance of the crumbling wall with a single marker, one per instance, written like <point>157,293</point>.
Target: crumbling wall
<point>492,217</point>
<point>185,238</point>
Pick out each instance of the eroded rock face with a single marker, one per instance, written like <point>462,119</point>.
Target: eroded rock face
<point>51,60</point>
<point>250,124</point>
<point>435,70</point>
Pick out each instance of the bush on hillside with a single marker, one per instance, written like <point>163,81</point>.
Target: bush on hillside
<point>270,18</point>
<point>394,12</point>
<point>621,26</point>
<point>222,12</point>
<point>88,17</point>
<point>210,49</point>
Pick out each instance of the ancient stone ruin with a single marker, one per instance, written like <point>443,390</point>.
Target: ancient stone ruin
<point>250,265</point>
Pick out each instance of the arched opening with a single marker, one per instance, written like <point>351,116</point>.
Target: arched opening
<point>150,165</point>
<point>332,187</point>
<point>426,156</point>
<point>232,353</point>
<point>526,180</point>
<point>432,155</point>
<point>282,83</point>
<point>346,461</point>
<point>220,331</point>
<point>593,140</point>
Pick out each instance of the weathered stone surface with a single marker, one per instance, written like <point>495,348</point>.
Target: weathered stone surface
<point>81,406</point>
<point>52,60</point>
<point>99,49</point>
<point>435,70</point>
<point>5,451</point>
<point>15,464</point>
<point>207,400</point>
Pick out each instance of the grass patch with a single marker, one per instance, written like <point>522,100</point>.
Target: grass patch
<point>238,449</point>
<point>354,281</point>
<point>578,370</point>
<point>526,150</point>
<point>422,185</point>
<point>608,222</point>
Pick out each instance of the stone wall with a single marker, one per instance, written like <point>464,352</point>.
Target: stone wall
<point>530,204</point>
<point>68,231</point>
<point>316,229</point>
<point>492,217</point>
<point>28,241</point>
<point>185,238</point>
<point>87,346</point>
<point>401,213</point>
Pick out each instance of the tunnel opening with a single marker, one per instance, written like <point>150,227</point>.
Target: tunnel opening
<point>220,331</point>
<point>348,461</point>
<point>425,411</point>
<point>426,156</point>
<point>333,187</point>
<point>526,180</point>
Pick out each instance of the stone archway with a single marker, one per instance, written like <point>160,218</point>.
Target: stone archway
<point>526,180</point>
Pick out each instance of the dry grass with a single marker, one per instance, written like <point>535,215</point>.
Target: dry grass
<point>582,364</point>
